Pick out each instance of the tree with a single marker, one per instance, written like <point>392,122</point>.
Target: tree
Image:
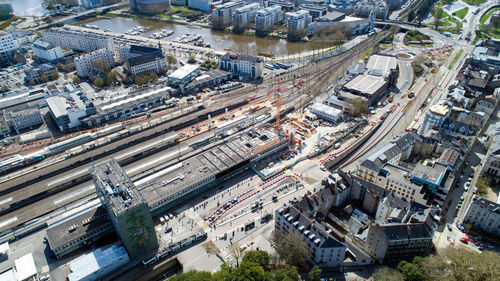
<point>291,248</point>
<point>192,275</point>
<point>32,83</point>
<point>387,274</point>
<point>419,38</point>
<point>98,82</point>
<point>416,64</point>
<point>139,80</point>
<point>171,60</point>
<point>315,274</point>
<point>257,256</point>
<point>54,76</point>
<point>44,78</point>
<point>153,76</point>
<point>192,59</point>
<point>236,252</point>
<point>411,271</point>
<point>292,274</point>
<point>76,79</point>
<point>101,65</point>
<point>248,271</point>
<point>438,17</point>
<point>411,16</point>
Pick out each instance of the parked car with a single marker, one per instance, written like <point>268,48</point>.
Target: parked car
<point>449,227</point>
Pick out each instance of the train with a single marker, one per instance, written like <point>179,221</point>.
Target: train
<point>69,143</point>
<point>282,65</point>
<point>18,161</point>
<point>175,248</point>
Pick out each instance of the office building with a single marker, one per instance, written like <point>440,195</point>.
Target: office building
<point>67,110</point>
<point>99,58</point>
<point>326,112</point>
<point>36,73</point>
<point>126,207</point>
<point>244,65</point>
<point>151,6</point>
<point>183,75</point>
<point>268,17</point>
<point>76,39</point>
<point>7,46</point>
<point>201,5</point>
<point>145,59</point>
<point>483,215</point>
<point>46,51</point>
<point>244,15</point>
<point>288,6</point>
<point>26,118</point>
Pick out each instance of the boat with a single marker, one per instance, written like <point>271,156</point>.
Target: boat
<point>107,30</point>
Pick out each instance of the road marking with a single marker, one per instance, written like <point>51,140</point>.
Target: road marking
<point>73,194</point>
<point>9,221</point>
<point>7,200</point>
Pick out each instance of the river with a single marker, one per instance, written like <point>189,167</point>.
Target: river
<point>26,7</point>
<point>246,44</point>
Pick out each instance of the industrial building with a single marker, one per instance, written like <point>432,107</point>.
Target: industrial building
<point>67,110</point>
<point>245,65</point>
<point>126,207</point>
<point>368,87</point>
<point>182,76</point>
<point>97,264</point>
<point>385,66</point>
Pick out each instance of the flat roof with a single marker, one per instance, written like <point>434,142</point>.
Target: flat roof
<point>8,275</point>
<point>62,104</point>
<point>25,267</point>
<point>184,71</point>
<point>332,111</point>
<point>367,84</point>
<point>130,99</point>
<point>208,76</point>
<point>382,64</point>
<point>433,174</point>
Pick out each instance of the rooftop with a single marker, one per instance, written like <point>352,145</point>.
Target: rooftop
<point>61,105</point>
<point>434,174</point>
<point>241,57</point>
<point>381,64</point>
<point>117,104</point>
<point>367,84</point>
<point>441,108</point>
<point>406,231</point>
<point>43,45</point>
<point>326,109</point>
<point>115,187</point>
<point>184,71</point>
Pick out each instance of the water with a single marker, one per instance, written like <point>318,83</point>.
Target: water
<point>247,44</point>
<point>26,7</point>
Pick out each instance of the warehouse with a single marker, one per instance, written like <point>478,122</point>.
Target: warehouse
<point>368,86</point>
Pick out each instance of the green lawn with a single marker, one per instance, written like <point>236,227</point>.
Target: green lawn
<point>475,2</point>
<point>488,15</point>
<point>455,59</point>
<point>434,11</point>
<point>461,13</point>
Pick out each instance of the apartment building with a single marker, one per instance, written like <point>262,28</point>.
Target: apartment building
<point>46,51</point>
<point>267,17</point>
<point>86,62</point>
<point>491,165</point>
<point>23,119</point>
<point>245,15</point>
<point>76,40</point>
<point>222,14</point>
<point>36,73</point>
<point>202,5</point>
<point>483,214</point>
<point>7,46</point>
<point>297,20</point>
<point>244,65</point>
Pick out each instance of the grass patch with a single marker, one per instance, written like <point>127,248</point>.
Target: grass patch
<point>434,12</point>
<point>461,13</point>
<point>309,180</point>
<point>475,2</point>
<point>6,23</point>
<point>482,186</point>
<point>485,17</point>
<point>455,59</point>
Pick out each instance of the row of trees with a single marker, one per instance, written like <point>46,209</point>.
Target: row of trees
<point>255,266</point>
<point>45,78</point>
<point>449,264</point>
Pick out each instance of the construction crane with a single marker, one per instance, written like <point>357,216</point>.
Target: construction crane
<point>277,91</point>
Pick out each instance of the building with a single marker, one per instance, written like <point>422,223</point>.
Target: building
<point>91,4</point>
<point>483,215</point>
<point>26,268</point>
<point>326,112</point>
<point>152,6</point>
<point>6,11</point>
<point>126,207</point>
<point>297,20</point>
<point>201,5</point>
<point>211,78</point>
<point>267,17</point>
<point>7,46</point>
<point>46,51</point>
<point>245,65</point>
<point>76,39</point>
<point>435,116</point>
<point>145,59</point>
<point>67,110</point>
<point>86,62</point>
<point>222,14</point>
<point>23,37</point>
<point>78,229</point>
<point>23,119</point>
<point>97,264</point>
<point>288,6</point>
<point>384,66</point>
<point>315,10</point>
<point>368,87</point>
<point>36,73</point>
<point>242,16</point>
<point>179,2</point>
<point>183,75</point>
<point>491,164</point>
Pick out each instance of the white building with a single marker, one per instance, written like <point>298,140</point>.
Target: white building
<point>491,165</point>
<point>145,59</point>
<point>183,75</point>
<point>97,264</point>
<point>24,118</point>
<point>46,51</point>
<point>85,63</point>
<point>23,37</point>
<point>225,11</point>
<point>76,40</point>
<point>90,4</point>
<point>297,20</point>
<point>435,116</point>
<point>326,112</point>
<point>243,65</point>
<point>483,214</point>
<point>268,17</point>
<point>68,110</point>
<point>7,45</point>
<point>202,5</point>
<point>245,14</point>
